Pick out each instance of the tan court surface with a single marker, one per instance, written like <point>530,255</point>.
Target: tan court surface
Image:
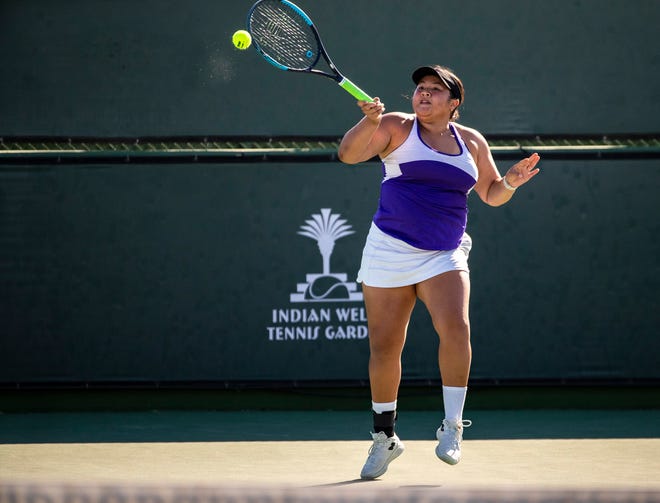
<point>555,449</point>
<point>617,463</point>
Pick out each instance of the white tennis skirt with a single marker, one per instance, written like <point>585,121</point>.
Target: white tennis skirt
<point>389,262</point>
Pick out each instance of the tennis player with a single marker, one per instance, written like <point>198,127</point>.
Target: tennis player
<point>417,247</point>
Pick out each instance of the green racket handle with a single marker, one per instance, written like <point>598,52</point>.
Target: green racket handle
<point>354,90</point>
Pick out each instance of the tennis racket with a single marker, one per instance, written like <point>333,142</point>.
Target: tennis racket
<point>286,37</point>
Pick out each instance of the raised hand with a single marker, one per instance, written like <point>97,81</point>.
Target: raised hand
<point>373,110</point>
<point>523,171</point>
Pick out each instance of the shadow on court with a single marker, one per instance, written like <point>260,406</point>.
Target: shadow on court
<point>226,426</point>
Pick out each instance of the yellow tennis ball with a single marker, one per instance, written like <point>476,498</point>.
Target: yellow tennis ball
<point>241,39</point>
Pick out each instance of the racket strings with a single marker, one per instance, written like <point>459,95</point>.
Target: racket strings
<point>284,35</point>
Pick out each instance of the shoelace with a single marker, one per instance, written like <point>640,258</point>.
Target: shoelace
<point>458,432</point>
<point>380,440</point>
<point>465,423</point>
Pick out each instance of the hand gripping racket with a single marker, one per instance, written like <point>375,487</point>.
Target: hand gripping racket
<point>287,38</point>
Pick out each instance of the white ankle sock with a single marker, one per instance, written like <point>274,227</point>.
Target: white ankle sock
<point>454,401</point>
<point>379,408</point>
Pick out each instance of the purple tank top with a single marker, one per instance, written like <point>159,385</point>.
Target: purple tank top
<point>423,197</point>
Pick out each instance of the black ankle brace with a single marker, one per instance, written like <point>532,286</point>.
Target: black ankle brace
<point>385,422</point>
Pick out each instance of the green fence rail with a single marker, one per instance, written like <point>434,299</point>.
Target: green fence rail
<point>233,149</point>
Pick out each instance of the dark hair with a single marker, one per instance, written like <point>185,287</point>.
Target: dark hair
<point>449,80</point>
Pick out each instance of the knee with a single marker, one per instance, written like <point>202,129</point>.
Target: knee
<point>454,330</point>
<point>385,343</point>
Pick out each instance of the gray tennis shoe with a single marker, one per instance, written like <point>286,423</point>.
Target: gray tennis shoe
<point>381,453</point>
<point>449,436</point>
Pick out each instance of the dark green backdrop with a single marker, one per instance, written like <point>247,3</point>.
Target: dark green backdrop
<point>172,272</point>
<point>183,272</point>
<point>167,67</point>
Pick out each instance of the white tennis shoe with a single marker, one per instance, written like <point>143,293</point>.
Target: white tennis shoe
<point>383,450</point>
<point>449,436</point>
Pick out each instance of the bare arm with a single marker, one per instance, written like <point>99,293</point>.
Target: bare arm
<point>368,137</point>
<point>491,186</point>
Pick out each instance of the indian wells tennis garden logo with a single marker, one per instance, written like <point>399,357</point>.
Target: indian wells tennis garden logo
<point>307,318</point>
<point>326,228</point>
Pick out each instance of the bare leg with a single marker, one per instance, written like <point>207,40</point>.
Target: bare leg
<point>388,314</point>
<point>447,297</point>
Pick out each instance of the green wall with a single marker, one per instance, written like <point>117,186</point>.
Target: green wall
<point>165,67</point>
<point>172,272</point>
<point>186,272</point>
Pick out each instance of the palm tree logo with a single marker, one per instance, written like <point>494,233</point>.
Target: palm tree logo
<point>326,228</point>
